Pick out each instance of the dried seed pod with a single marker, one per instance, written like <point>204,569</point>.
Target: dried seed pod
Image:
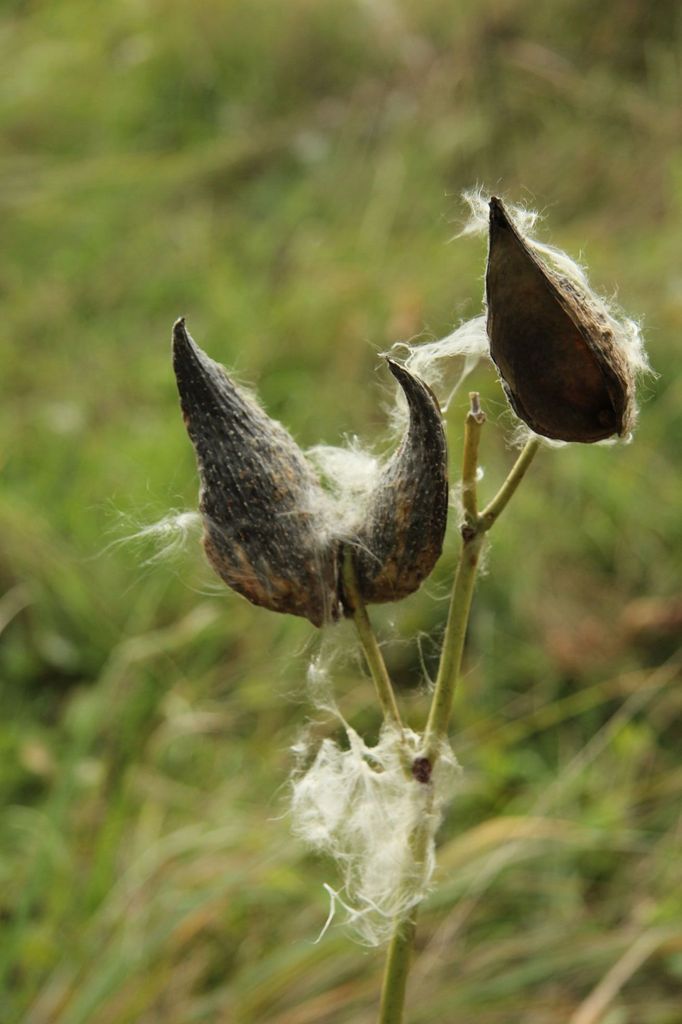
<point>563,371</point>
<point>259,499</point>
<point>402,535</point>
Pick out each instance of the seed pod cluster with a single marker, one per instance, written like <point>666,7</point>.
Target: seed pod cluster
<point>563,371</point>
<point>269,526</point>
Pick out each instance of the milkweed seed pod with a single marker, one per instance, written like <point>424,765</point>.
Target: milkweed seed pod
<point>272,533</point>
<point>402,535</point>
<point>561,364</point>
<point>259,498</point>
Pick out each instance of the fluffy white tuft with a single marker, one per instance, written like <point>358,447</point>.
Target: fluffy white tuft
<point>321,687</point>
<point>349,475</point>
<point>168,535</point>
<point>446,363</point>
<point>478,201</point>
<point>362,806</point>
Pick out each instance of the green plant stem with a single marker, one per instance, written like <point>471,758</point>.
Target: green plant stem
<point>473,425</point>
<point>453,645</point>
<point>397,970</point>
<point>494,509</point>
<point>373,655</point>
<point>463,587</point>
<point>473,533</point>
<point>402,940</point>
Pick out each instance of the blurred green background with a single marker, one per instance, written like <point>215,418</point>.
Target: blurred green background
<point>288,176</point>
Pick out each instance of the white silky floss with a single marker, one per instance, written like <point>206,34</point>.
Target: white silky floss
<point>168,534</point>
<point>363,807</point>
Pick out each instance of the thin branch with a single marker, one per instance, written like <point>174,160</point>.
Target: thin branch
<point>494,509</point>
<point>472,436</point>
<point>372,651</point>
<point>463,587</point>
<point>453,643</point>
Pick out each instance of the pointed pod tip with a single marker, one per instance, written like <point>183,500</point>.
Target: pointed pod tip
<point>397,369</point>
<point>412,386</point>
<point>186,352</point>
<point>180,335</point>
<point>417,392</point>
<point>498,214</point>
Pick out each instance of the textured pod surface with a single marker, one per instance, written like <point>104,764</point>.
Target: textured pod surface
<point>402,534</point>
<point>564,373</point>
<point>259,499</point>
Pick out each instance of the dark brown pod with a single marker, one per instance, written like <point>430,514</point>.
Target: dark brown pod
<point>402,534</point>
<point>259,499</point>
<point>564,373</point>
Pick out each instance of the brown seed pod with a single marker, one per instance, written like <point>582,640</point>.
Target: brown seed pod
<point>402,535</point>
<point>562,369</point>
<point>259,499</point>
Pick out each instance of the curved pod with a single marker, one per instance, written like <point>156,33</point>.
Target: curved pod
<point>563,371</point>
<point>259,499</point>
<point>401,537</point>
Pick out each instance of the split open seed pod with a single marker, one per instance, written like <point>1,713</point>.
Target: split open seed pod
<point>259,498</point>
<point>270,530</point>
<point>561,365</point>
<point>401,537</point>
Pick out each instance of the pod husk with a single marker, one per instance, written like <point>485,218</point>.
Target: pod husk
<point>402,535</point>
<point>563,372</point>
<point>269,528</point>
<point>259,499</point>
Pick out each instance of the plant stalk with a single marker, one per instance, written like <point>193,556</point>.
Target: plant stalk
<point>494,509</point>
<point>397,970</point>
<point>473,534</point>
<point>370,646</point>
